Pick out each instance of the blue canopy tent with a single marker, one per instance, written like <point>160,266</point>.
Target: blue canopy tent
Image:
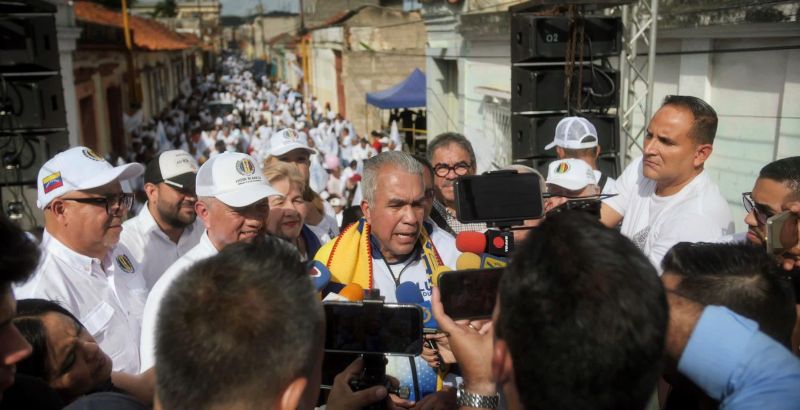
<point>410,93</point>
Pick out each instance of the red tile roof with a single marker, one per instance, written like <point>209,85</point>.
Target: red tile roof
<point>147,34</point>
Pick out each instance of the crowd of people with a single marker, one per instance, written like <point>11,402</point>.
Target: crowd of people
<point>209,297</point>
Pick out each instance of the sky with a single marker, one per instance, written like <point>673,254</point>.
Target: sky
<point>243,7</point>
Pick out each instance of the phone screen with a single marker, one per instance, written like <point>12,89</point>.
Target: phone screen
<point>469,294</point>
<point>498,197</point>
<point>781,232</point>
<point>393,329</point>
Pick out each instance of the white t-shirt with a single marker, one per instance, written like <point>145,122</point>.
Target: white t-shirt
<point>107,296</point>
<point>698,213</point>
<point>151,247</point>
<point>147,351</point>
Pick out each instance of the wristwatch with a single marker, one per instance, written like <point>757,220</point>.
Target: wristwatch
<point>467,399</point>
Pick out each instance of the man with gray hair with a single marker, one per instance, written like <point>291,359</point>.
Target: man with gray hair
<point>390,246</point>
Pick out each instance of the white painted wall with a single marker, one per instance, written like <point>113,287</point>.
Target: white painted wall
<point>324,77</point>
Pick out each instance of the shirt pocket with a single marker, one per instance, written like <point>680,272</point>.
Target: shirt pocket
<point>97,320</point>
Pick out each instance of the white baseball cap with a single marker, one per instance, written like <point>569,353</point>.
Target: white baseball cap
<point>175,167</point>
<point>77,169</point>
<point>572,174</point>
<point>574,133</point>
<point>234,178</point>
<point>287,140</point>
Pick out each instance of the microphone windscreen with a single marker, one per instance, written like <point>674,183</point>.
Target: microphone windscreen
<point>438,272</point>
<point>320,275</point>
<point>468,260</point>
<point>352,292</point>
<point>408,292</point>
<point>469,241</point>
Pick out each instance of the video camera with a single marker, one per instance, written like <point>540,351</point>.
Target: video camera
<point>373,330</point>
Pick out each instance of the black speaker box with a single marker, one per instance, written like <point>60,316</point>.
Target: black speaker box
<point>28,44</point>
<point>21,156</point>
<point>530,134</point>
<point>542,88</point>
<point>34,102</point>
<point>545,38</point>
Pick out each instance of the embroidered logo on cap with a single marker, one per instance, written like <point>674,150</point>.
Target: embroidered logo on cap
<point>88,153</point>
<point>291,135</point>
<point>124,263</point>
<point>245,167</point>
<point>562,168</point>
<point>52,182</point>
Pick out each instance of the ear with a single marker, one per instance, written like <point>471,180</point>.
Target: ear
<point>58,209</point>
<point>365,210</point>
<point>502,365</point>
<point>291,396</point>
<point>202,210</point>
<point>597,151</point>
<point>560,152</point>
<point>151,190</point>
<point>701,154</point>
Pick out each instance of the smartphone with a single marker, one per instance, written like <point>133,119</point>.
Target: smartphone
<point>370,327</point>
<point>469,294</point>
<point>502,196</point>
<point>781,232</point>
<point>334,363</point>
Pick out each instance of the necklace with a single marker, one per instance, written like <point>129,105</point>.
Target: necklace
<point>408,263</point>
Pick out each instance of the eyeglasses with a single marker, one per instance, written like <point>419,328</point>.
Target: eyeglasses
<point>751,206</point>
<point>122,201</point>
<point>461,169</point>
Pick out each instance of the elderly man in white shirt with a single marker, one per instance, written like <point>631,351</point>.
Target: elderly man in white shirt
<point>233,205</point>
<point>167,227</point>
<point>82,266</point>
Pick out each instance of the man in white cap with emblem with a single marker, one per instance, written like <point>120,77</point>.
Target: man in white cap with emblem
<point>232,202</point>
<point>167,227</point>
<point>576,138</point>
<point>569,178</point>
<point>83,268</point>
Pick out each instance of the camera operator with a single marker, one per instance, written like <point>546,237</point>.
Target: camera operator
<point>740,277</point>
<point>579,323</point>
<point>254,337</point>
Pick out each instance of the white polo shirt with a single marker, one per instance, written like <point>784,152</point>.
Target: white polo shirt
<point>151,247</point>
<point>204,249</point>
<point>107,296</point>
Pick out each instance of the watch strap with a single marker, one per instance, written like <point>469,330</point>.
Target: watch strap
<point>465,398</point>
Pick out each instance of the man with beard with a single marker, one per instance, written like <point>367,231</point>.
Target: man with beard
<point>167,227</point>
<point>232,202</point>
<point>83,267</point>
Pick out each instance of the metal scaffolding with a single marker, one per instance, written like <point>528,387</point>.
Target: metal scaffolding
<point>636,65</point>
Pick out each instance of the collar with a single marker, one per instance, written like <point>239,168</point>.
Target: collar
<point>73,259</point>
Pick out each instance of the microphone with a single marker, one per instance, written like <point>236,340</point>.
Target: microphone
<point>408,292</point>
<point>469,260</point>
<point>352,292</point>
<point>498,243</point>
<point>320,275</point>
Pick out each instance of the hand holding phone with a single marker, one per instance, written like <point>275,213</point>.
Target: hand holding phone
<point>783,236</point>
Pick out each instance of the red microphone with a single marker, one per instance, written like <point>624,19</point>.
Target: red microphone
<point>470,241</point>
<point>498,243</point>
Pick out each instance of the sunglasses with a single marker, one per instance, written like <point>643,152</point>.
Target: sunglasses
<point>760,213</point>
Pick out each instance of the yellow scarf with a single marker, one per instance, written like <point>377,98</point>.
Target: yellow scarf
<point>349,256</point>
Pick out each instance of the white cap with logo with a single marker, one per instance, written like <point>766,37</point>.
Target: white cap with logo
<point>77,169</point>
<point>287,140</point>
<point>574,133</point>
<point>233,178</point>
<point>570,173</point>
